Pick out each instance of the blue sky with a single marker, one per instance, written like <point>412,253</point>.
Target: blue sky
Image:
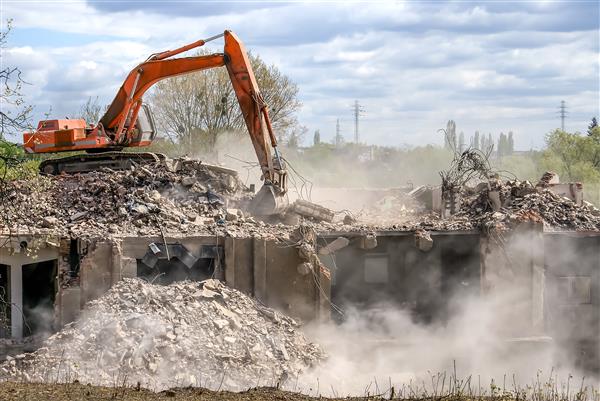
<point>491,66</point>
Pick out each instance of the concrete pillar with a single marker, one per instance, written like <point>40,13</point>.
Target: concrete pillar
<point>230,261</point>
<point>260,270</point>
<point>16,301</point>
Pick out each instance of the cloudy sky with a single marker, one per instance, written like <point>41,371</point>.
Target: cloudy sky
<point>492,66</point>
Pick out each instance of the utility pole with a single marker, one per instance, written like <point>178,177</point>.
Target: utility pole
<point>562,110</point>
<point>358,110</point>
<point>338,137</point>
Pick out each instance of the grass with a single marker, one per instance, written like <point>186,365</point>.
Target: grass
<point>437,387</point>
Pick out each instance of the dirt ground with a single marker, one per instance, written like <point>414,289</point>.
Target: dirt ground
<point>10,391</point>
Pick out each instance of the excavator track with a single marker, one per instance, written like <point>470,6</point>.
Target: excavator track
<point>87,162</point>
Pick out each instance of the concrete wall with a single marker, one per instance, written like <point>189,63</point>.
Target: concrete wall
<point>260,268</point>
<point>573,295</point>
<point>513,278</point>
<point>546,281</point>
<point>397,272</point>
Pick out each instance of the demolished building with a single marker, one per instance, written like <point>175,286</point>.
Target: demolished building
<point>69,239</point>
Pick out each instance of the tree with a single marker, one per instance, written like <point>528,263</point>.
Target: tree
<point>195,108</point>
<point>91,111</point>
<point>461,142</point>
<point>296,136</point>
<point>15,114</point>
<point>317,138</point>
<point>502,148</point>
<point>511,143</point>
<point>489,143</point>
<point>476,140</point>
<point>450,135</point>
<point>575,152</point>
<point>592,125</point>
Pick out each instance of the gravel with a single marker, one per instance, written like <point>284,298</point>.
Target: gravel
<point>199,334</point>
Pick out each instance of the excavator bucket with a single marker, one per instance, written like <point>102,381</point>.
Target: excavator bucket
<point>267,202</point>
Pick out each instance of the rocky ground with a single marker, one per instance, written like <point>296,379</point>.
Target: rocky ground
<point>184,334</point>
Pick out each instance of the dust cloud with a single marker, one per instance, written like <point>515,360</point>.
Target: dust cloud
<point>491,339</point>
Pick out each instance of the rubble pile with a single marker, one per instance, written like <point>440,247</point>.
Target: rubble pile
<point>188,333</point>
<point>186,196</point>
<point>501,205</point>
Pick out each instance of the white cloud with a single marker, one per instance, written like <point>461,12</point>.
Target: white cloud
<point>492,67</point>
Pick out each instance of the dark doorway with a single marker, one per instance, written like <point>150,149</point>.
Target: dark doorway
<point>461,271</point>
<point>4,301</point>
<point>39,281</point>
<point>166,271</point>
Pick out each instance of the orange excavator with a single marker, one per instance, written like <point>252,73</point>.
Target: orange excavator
<point>129,123</point>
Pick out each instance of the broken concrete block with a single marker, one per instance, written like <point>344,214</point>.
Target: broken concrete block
<point>154,196</point>
<point>221,323</point>
<point>232,214</point>
<point>198,188</point>
<point>423,240</point>
<point>139,208</point>
<point>494,198</point>
<point>549,177</point>
<point>312,210</point>
<point>191,216</point>
<point>335,245</point>
<point>349,220</point>
<point>368,241</point>
<point>305,251</point>
<point>79,215</point>
<point>188,181</point>
<point>49,222</point>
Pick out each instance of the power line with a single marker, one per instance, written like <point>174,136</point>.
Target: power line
<point>562,110</point>
<point>338,136</point>
<point>358,110</point>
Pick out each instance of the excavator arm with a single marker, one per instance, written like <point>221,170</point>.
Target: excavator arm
<point>117,128</point>
<point>126,105</point>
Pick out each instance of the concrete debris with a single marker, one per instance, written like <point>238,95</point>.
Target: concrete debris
<point>549,177</point>
<point>193,198</point>
<point>312,211</point>
<point>349,220</point>
<point>199,334</point>
<point>368,241</point>
<point>335,245</point>
<point>146,200</point>
<point>520,202</point>
<point>489,205</point>
<point>423,240</point>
